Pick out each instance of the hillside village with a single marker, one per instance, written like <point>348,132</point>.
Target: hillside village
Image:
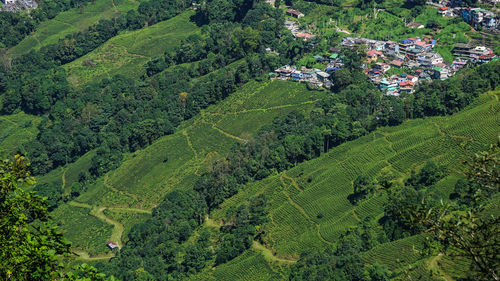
<point>415,59</point>
<point>414,55</point>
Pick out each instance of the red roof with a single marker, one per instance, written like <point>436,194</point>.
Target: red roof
<point>406,83</point>
<point>397,62</point>
<point>372,53</point>
<point>420,43</point>
<point>305,35</point>
<point>440,64</point>
<point>488,56</point>
<point>443,8</point>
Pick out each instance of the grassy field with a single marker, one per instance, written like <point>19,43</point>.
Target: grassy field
<point>71,21</point>
<point>321,186</point>
<point>144,177</point>
<point>127,53</point>
<point>16,129</point>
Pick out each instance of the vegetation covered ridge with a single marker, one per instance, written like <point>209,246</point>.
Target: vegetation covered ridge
<point>288,231</point>
<point>143,178</point>
<point>168,147</point>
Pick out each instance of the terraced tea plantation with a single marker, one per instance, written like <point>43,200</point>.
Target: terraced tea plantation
<point>16,129</point>
<point>309,206</point>
<point>127,53</point>
<point>71,21</point>
<point>174,161</point>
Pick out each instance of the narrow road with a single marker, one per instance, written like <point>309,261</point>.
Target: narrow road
<point>116,233</point>
<point>433,265</point>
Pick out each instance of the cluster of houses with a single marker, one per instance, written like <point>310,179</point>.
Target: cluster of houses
<point>418,57</point>
<point>476,17</point>
<point>314,77</point>
<point>415,55</point>
<point>474,54</point>
<point>479,17</point>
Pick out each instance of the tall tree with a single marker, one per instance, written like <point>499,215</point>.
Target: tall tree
<point>29,246</point>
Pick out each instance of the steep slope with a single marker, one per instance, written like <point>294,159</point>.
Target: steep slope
<point>71,21</point>
<point>173,161</point>
<point>127,53</point>
<point>308,204</point>
<point>15,129</point>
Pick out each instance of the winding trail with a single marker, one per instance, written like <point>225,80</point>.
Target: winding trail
<point>433,265</point>
<point>228,134</point>
<point>256,246</point>
<point>190,144</point>
<point>294,182</point>
<point>269,255</point>
<point>446,134</point>
<point>114,6</point>
<point>391,146</point>
<point>262,109</point>
<point>116,233</point>
<point>63,179</point>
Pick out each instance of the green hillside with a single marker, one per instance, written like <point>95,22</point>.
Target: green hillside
<point>145,177</point>
<point>16,129</point>
<point>308,204</point>
<point>127,53</point>
<point>71,21</point>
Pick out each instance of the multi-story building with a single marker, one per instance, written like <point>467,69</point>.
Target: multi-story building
<point>478,17</point>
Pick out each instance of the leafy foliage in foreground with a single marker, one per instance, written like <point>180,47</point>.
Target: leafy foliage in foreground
<point>30,245</point>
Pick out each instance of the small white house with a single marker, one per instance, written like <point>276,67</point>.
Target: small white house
<point>112,245</point>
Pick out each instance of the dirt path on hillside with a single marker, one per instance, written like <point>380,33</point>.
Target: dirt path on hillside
<point>269,255</point>
<point>433,265</point>
<point>116,232</point>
